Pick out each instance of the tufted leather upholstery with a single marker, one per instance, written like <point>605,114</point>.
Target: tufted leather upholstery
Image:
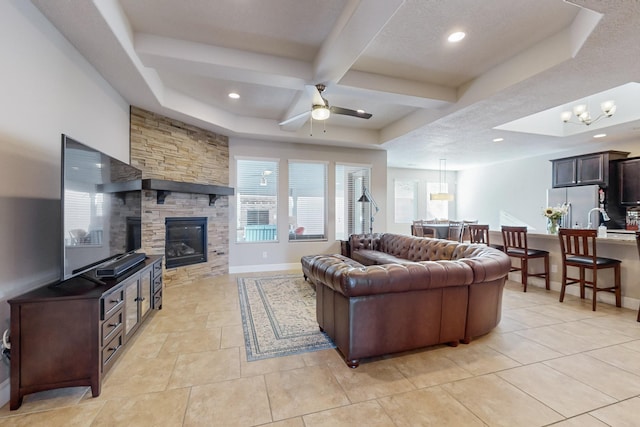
<point>405,293</point>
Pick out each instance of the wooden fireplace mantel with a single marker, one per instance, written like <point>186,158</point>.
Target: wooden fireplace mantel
<point>164,187</point>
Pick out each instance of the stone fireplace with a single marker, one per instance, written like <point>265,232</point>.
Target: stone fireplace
<point>166,149</point>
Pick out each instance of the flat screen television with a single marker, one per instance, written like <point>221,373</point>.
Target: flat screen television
<point>101,208</point>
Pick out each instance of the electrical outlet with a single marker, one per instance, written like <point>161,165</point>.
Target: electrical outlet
<point>264,254</point>
<point>554,268</point>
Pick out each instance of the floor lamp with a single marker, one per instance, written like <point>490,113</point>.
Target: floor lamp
<point>368,198</point>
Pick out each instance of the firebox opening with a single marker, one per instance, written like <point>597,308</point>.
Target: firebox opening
<point>186,241</point>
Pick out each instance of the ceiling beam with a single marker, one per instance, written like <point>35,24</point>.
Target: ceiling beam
<point>224,63</point>
<point>359,24</point>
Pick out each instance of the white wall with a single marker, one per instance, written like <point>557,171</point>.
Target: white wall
<point>47,89</point>
<point>247,256</point>
<point>514,193</point>
<point>422,177</point>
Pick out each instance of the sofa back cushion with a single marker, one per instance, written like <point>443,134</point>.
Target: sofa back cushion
<point>395,244</point>
<point>426,249</point>
<point>365,241</point>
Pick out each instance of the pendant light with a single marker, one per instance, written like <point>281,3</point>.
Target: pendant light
<point>442,195</point>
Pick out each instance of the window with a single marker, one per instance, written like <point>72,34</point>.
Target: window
<point>258,217</point>
<point>307,200</point>
<point>351,216</point>
<point>437,208</point>
<point>405,193</point>
<point>257,198</point>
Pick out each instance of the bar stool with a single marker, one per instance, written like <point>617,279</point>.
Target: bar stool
<point>479,233</point>
<point>515,244</point>
<point>578,247</point>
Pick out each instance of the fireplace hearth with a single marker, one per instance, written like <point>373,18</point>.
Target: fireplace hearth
<point>186,241</point>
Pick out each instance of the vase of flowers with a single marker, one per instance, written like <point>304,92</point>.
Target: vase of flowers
<point>554,214</point>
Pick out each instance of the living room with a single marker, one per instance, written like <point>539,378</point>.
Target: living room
<point>51,89</point>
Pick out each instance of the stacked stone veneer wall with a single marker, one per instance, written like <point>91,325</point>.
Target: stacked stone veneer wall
<point>168,149</point>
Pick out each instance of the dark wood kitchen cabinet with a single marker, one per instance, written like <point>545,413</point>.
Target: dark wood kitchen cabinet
<point>69,334</point>
<point>587,169</point>
<point>629,173</point>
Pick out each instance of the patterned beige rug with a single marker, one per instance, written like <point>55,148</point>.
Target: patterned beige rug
<point>279,316</point>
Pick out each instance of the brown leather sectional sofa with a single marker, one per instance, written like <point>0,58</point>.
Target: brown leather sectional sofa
<point>399,293</point>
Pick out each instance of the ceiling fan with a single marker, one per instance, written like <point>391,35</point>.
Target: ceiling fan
<point>320,109</point>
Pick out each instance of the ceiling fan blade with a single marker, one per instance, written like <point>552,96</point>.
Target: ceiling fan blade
<point>348,112</point>
<point>298,117</point>
<point>314,94</point>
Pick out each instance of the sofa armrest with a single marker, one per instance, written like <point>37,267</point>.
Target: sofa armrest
<point>486,262</point>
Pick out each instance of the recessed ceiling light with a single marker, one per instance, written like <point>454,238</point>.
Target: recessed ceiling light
<point>498,139</point>
<point>600,135</point>
<point>234,95</point>
<point>456,37</point>
<point>360,111</point>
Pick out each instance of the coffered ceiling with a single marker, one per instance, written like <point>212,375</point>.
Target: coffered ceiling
<point>429,98</point>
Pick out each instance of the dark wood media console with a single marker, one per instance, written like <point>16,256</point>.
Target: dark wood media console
<point>70,333</point>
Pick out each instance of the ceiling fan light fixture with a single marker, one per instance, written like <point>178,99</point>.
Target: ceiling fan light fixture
<point>320,112</point>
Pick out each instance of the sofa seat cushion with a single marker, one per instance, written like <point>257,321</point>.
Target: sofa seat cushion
<point>372,257</point>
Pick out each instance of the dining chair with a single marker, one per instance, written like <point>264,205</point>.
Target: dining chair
<point>455,230</point>
<point>416,228</point>
<point>578,248</point>
<point>465,229</point>
<point>478,233</point>
<point>515,245</point>
<point>420,230</point>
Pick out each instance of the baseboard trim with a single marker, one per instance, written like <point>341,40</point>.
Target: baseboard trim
<point>263,267</point>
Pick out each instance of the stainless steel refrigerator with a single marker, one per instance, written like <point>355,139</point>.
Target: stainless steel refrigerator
<point>580,201</point>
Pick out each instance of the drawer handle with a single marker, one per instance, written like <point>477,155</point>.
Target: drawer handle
<point>139,299</point>
<point>115,301</point>
<point>114,325</point>
<point>113,349</point>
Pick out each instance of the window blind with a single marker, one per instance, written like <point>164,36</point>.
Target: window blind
<point>307,200</point>
<point>257,200</point>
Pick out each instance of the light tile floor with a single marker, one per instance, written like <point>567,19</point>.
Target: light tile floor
<point>547,363</point>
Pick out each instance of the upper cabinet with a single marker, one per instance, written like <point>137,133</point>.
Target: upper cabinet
<point>629,173</point>
<point>585,170</point>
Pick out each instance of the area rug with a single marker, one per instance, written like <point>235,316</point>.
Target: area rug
<point>279,316</point>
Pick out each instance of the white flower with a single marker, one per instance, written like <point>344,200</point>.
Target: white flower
<point>555,212</point>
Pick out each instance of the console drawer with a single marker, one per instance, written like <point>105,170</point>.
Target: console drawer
<point>111,302</point>
<point>110,351</point>
<point>157,300</point>
<point>157,284</point>
<point>111,326</point>
<point>157,268</point>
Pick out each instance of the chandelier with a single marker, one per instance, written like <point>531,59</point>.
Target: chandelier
<point>581,112</point>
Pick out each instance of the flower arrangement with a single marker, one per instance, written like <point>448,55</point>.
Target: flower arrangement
<point>556,213</point>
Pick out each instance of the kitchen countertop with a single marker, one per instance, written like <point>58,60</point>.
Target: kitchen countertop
<point>620,237</point>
